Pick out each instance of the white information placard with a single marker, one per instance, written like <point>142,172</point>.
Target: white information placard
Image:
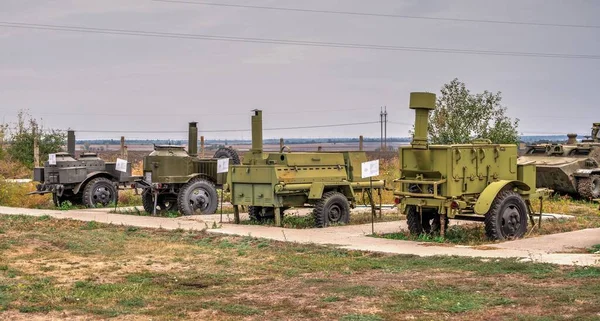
<point>222,165</point>
<point>51,159</point>
<point>370,169</point>
<point>121,165</point>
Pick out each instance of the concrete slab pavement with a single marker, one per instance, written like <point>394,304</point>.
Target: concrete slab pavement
<point>548,248</point>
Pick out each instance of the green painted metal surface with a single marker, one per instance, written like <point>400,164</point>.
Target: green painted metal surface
<point>292,179</point>
<point>435,176</point>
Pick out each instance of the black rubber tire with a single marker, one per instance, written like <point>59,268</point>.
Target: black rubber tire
<point>256,213</point>
<point>507,217</point>
<point>206,201</point>
<point>413,219</point>
<point>226,152</point>
<point>99,192</point>
<point>332,208</point>
<point>428,224</point>
<point>589,187</point>
<point>165,203</point>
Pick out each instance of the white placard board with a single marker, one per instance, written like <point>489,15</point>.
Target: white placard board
<point>222,165</point>
<point>51,159</point>
<point>370,169</point>
<point>121,165</point>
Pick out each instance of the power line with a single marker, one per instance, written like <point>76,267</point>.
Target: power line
<point>542,24</point>
<point>292,42</point>
<point>219,130</point>
<point>225,113</point>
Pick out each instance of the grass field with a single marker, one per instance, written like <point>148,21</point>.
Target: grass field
<point>70,269</point>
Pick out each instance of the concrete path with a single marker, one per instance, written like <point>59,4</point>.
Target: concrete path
<point>549,248</point>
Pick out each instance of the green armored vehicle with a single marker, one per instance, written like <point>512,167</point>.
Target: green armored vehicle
<point>269,183</point>
<point>86,180</point>
<point>476,181</point>
<point>572,168</point>
<point>174,179</point>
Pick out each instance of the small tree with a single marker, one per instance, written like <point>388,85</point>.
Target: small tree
<point>22,137</point>
<point>461,116</point>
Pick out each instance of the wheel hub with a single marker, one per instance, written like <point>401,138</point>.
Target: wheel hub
<point>335,214</point>
<point>511,221</point>
<point>199,200</point>
<point>102,195</point>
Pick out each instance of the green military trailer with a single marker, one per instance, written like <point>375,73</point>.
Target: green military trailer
<point>270,183</point>
<point>480,181</point>
<point>176,180</point>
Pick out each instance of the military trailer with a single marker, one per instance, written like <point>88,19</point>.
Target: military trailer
<point>572,168</point>
<point>270,183</point>
<point>480,181</point>
<point>176,180</point>
<point>86,180</point>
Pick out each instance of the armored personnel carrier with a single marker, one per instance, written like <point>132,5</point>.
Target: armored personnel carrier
<point>86,180</point>
<point>176,180</point>
<point>572,168</point>
<point>269,183</point>
<point>480,181</point>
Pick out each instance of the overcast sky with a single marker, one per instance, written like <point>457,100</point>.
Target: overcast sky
<point>113,82</point>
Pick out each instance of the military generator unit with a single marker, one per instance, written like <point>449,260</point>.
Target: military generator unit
<point>176,180</point>
<point>86,180</point>
<point>269,183</point>
<point>480,180</point>
<point>572,168</point>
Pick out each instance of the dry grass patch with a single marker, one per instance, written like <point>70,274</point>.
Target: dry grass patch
<point>73,270</point>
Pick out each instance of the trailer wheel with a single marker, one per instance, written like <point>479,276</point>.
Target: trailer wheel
<point>198,196</point>
<point>59,200</point>
<point>507,217</point>
<point>589,187</point>
<point>429,223</point>
<point>163,204</point>
<point>226,152</point>
<point>99,192</point>
<point>332,208</point>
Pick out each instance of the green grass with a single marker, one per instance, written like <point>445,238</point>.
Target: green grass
<point>103,271</point>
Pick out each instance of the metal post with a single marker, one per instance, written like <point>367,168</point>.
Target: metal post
<point>122,146</point>
<point>319,149</point>
<point>236,214</point>
<point>372,207</point>
<point>36,149</point>
<point>155,193</point>
<point>541,211</point>
<point>125,154</point>
<point>443,225</point>
<point>280,145</point>
<point>201,146</point>
<point>278,216</point>
<point>221,220</point>
<point>360,143</point>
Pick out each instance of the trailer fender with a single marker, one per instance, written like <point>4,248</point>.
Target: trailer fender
<point>206,177</point>
<point>91,176</point>
<point>316,191</point>
<point>487,197</point>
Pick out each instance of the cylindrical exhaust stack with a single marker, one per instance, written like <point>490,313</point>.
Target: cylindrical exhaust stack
<point>422,103</point>
<point>193,140</point>
<point>257,134</point>
<point>71,142</point>
<point>572,139</point>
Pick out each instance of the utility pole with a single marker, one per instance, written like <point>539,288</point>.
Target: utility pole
<point>385,128</point>
<point>381,136</point>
